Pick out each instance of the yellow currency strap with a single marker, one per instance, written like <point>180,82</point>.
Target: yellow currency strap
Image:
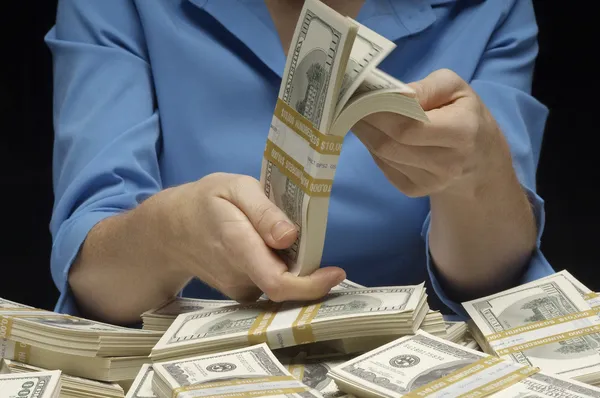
<point>245,382</point>
<point>22,352</point>
<point>302,328</point>
<point>501,383</point>
<point>590,295</point>
<point>322,143</point>
<point>5,327</point>
<point>257,333</point>
<point>296,173</point>
<point>540,325</point>
<point>549,340</point>
<point>454,377</point>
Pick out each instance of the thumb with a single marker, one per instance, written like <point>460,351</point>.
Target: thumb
<point>268,220</point>
<point>439,88</point>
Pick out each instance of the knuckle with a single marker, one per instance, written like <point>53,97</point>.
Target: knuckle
<point>274,291</point>
<point>264,214</point>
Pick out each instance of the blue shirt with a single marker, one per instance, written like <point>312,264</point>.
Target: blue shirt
<point>153,94</point>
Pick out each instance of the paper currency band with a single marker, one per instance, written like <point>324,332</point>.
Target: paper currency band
<point>302,330</point>
<point>502,383</point>
<point>454,377</point>
<point>322,143</point>
<point>22,352</point>
<point>549,340</point>
<point>591,295</point>
<point>476,367</point>
<point>293,386</point>
<point>541,324</point>
<point>295,172</point>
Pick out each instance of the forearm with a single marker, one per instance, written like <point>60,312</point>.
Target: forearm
<point>126,266</point>
<point>480,241</point>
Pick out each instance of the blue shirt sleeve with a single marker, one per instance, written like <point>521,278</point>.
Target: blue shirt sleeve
<point>106,125</point>
<point>503,81</point>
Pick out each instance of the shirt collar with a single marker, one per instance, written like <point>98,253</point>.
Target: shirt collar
<point>251,24</point>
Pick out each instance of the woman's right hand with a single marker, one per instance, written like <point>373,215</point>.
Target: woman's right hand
<point>222,229</point>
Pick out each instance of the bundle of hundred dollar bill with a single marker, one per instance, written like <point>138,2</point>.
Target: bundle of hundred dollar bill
<point>79,347</point>
<point>31,385</point>
<point>248,372</point>
<point>330,82</point>
<point>342,314</point>
<point>72,387</point>
<point>163,316</point>
<point>426,366</point>
<point>545,323</point>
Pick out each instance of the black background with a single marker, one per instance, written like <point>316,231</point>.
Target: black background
<point>565,81</point>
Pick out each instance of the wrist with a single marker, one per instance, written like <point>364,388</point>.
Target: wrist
<point>163,221</point>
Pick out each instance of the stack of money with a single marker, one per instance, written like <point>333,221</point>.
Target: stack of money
<point>426,366</point>
<point>142,384</point>
<point>455,331</point>
<point>248,372</point>
<point>31,385</point>
<point>341,314</point>
<point>545,323</point>
<point>329,83</point>
<point>72,387</point>
<point>161,317</point>
<point>313,372</point>
<point>433,323</point>
<point>77,346</point>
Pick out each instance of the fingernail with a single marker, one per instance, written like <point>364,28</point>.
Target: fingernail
<point>281,229</point>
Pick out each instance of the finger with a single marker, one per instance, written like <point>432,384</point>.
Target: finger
<point>440,161</point>
<point>397,178</point>
<point>246,249</point>
<point>281,285</point>
<point>269,220</point>
<point>444,129</point>
<point>439,88</point>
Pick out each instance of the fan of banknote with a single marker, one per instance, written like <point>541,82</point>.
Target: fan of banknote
<point>247,372</point>
<point>72,387</point>
<point>31,385</point>
<point>342,314</point>
<point>423,365</point>
<point>545,323</point>
<point>329,83</point>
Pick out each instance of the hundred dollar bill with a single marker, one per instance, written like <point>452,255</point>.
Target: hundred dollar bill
<point>142,385</point>
<point>426,366</point>
<point>162,317</point>
<point>71,335</point>
<point>30,385</point>
<point>591,297</point>
<point>71,386</point>
<point>314,373</point>
<point>542,385</point>
<point>544,323</point>
<point>341,314</point>
<point>251,371</point>
<point>310,87</point>
<point>368,50</point>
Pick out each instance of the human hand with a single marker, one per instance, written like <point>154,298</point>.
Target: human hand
<point>222,229</point>
<point>454,153</point>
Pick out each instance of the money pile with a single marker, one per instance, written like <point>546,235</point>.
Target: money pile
<point>142,384</point>
<point>426,366</point>
<point>31,385</point>
<point>248,372</point>
<point>162,317</point>
<point>545,323</point>
<point>77,346</point>
<point>72,387</point>
<point>341,314</point>
<point>330,82</point>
